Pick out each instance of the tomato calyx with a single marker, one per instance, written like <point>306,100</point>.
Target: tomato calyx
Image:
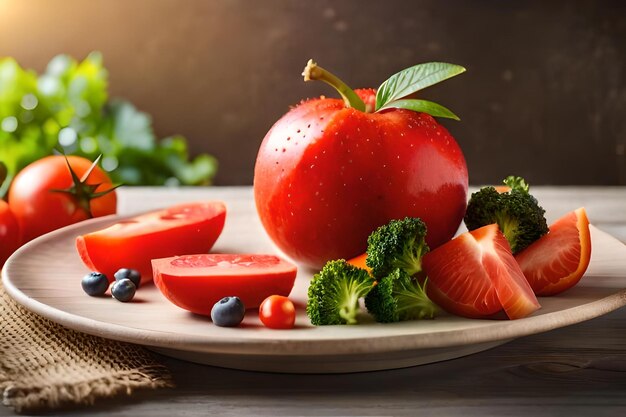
<point>80,191</point>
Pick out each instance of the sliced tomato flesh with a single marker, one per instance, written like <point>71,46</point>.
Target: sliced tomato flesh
<point>133,243</point>
<point>457,281</point>
<point>475,275</point>
<point>196,282</point>
<point>513,291</point>
<point>558,260</point>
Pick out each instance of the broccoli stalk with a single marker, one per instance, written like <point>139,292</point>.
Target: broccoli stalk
<point>398,297</point>
<point>398,244</point>
<point>517,212</point>
<point>334,293</point>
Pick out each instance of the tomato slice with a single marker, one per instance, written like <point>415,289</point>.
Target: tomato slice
<point>457,280</point>
<point>133,243</point>
<point>197,282</point>
<point>559,259</point>
<point>475,275</point>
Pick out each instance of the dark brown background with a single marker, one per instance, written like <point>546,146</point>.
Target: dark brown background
<point>544,95</point>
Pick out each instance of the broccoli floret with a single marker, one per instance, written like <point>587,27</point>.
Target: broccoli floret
<point>516,211</point>
<point>398,297</point>
<point>335,291</point>
<point>398,244</point>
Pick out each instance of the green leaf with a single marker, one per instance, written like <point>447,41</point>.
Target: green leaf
<point>413,79</point>
<point>423,106</point>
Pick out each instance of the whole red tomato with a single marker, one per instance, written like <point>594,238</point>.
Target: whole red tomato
<point>39,204</point>
<point>9,232</point>
<point>327,175</point>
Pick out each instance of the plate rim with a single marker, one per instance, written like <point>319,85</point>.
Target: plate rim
<point>499,330</point>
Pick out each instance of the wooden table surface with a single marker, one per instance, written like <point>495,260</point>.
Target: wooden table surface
<point>575,371</point>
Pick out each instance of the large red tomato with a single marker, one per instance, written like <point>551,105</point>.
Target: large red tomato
<point>9,232</point>
<point>326,176</point>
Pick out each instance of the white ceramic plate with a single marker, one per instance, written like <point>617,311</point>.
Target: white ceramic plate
<point>44,276</point>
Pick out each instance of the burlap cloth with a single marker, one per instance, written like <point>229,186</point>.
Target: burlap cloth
<point>44,365</point>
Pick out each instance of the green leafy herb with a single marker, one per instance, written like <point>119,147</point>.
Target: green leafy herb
<point>413,79</point>
<point>68,106</point>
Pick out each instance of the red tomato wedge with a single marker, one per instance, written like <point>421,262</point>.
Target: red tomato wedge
<point>197,282</point>
<point>475,275</point>
<point>558,260</point>
<point>133,243</point>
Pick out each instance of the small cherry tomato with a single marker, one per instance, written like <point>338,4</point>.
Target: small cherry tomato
<point>277,312</point>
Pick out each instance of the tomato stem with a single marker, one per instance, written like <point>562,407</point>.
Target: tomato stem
<point>312,71</point>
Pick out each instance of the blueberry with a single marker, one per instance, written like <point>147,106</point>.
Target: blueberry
<point>131,274</point>
<point>95,284</point>
<point>123,290</point>
<point>228,312</point>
